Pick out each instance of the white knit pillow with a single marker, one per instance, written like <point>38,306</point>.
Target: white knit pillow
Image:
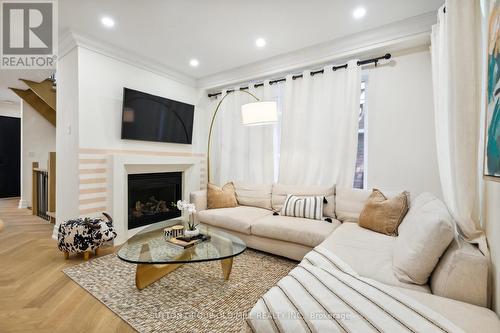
<point>306,207</point>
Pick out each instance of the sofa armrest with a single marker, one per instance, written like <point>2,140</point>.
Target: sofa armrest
<point>199,199</point>
<point>462,274</point>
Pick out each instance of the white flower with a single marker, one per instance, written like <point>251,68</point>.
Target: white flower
<point>184,205</point>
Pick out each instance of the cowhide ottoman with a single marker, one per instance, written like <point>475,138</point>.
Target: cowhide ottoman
<point>85,235</point>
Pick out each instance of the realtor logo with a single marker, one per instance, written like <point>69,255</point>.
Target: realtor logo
<point>28,34</point>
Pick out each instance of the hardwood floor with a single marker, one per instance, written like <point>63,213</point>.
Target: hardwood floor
<point>35,295</point>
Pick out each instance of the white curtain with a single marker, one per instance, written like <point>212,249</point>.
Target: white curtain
<point>455,49</point>
<point>320,127</point>
<point>241,152</point>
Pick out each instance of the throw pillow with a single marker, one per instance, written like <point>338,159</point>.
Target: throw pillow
<point>281,191</point>
<point>306,207</point>
<point>224,197</point>
<point>384,215</point>
<point>424,235</point>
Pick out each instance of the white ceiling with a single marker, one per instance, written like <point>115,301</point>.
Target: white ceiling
<point>221,33</point>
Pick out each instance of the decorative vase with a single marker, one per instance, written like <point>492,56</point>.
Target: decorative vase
<point>191,233</point>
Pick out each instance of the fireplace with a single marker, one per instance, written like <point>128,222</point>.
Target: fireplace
<point>150,197</point>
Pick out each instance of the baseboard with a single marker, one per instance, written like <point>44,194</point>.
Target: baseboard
<point>22,204</point>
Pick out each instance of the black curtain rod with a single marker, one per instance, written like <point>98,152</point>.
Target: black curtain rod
<point>334,68</point>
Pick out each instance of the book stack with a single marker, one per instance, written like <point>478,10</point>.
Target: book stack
<point>186,242</point>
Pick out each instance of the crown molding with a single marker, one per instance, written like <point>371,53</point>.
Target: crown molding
<point>402,35</point>
<point>72,39</point>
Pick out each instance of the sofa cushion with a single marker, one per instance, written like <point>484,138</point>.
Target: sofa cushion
<point>218,197</point>
<point>255,195</point>
<point>237,218</point>
<point>199,199</point>
<point>349,202</point>
<point>280,192</point>
<point>382,214</point>
<point>368,253</point>
<point>293,229</point>
<point>470,318</point>
<point>462,274</point>
<point>424,235</point>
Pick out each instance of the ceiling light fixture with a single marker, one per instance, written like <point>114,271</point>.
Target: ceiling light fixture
<point>194,62</point>
<point>260,42</point>
<point>108,22</point>
<point>359,12</point>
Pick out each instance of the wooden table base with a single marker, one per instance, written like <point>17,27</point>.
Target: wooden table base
<point>227,265</point>
<point>147,274</point>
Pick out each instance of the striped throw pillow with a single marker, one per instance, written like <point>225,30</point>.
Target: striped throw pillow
<point>306,207</point>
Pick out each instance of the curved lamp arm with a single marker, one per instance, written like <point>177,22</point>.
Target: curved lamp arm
<point>212,125</point>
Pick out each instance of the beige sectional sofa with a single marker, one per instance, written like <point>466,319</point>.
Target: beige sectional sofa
<point>461,273</point>
<point>253,221</point>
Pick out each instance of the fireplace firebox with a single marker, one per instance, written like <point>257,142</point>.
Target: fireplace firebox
<point>150,197</point>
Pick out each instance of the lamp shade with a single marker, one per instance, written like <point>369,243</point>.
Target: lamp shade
<point>259,113</point>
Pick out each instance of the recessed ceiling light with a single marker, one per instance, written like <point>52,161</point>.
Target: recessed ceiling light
<point>359,12</point>
<point>194,62</point>
<point>108,22</point>
<point>260,42</point>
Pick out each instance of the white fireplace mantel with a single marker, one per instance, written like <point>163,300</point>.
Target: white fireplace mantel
<point>123,165</point>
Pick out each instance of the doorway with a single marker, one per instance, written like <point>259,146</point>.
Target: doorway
<point>10,157</point>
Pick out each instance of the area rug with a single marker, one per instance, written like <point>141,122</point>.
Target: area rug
<point>193,298</point>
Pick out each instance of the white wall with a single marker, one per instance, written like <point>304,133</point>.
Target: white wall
<point>37,140</point>
<point>101,81</point>
<point>90,95</point>
<point>10,110</point>
<point>67,137</point>
<point>401,137</point>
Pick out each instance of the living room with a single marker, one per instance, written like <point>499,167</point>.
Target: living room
<point>264,166</point>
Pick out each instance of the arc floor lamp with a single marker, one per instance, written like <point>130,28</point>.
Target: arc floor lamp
<point>252,114</point>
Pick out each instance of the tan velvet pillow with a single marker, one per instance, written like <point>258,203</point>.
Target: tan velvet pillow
<point>224,197</point>
<point>384,215</point>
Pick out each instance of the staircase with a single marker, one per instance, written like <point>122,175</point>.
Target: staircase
<point>41,96</point>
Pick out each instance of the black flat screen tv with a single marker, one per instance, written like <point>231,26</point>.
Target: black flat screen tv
<point>152,118</point>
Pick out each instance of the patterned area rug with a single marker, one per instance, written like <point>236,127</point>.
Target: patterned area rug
<point>193,298</point>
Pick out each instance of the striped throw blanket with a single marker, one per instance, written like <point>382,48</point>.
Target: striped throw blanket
<point>323,294</point>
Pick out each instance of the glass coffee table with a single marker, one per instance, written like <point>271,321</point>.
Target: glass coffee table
<point>155,257</point>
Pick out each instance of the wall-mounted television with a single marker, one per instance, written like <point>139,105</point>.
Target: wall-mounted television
<point>152,118</point>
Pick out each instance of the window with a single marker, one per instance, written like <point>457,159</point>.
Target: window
<point>360,172</point>
<point>278,94</point>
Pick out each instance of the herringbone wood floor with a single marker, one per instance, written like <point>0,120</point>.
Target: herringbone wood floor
<point>35,295</point>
